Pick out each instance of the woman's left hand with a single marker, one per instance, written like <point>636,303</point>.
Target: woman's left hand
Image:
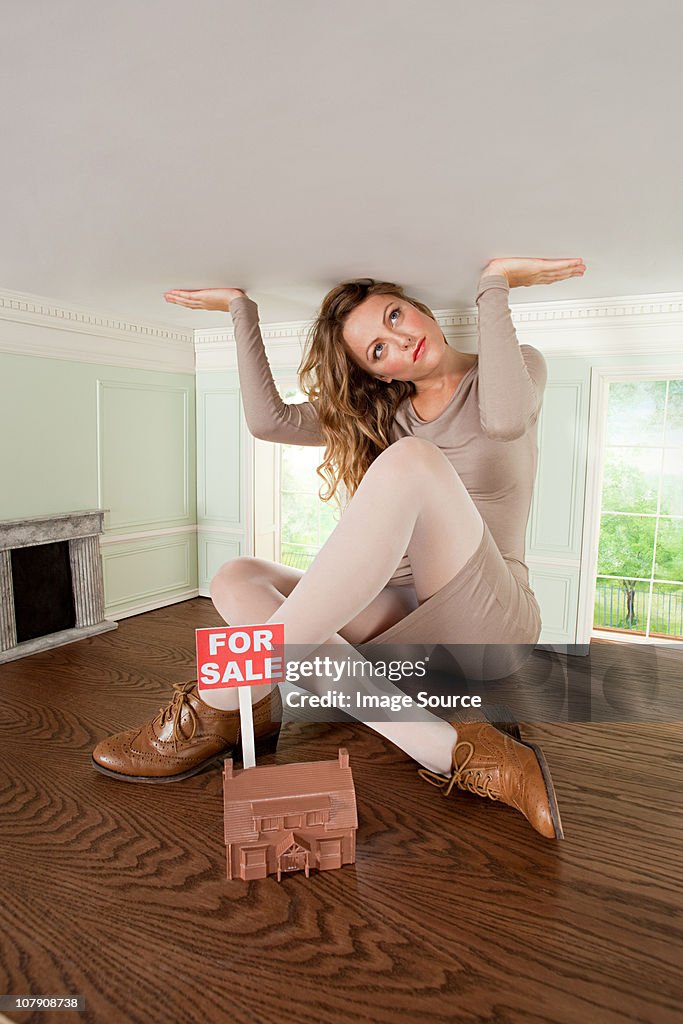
<point>524,271</point>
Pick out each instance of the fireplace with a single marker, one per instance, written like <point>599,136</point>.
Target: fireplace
<point>51,585</point>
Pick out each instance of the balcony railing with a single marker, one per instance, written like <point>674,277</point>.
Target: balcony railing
<point>297,557</point>
<point>617,609</point>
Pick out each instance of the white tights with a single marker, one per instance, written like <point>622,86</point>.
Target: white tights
<point>411,499</point>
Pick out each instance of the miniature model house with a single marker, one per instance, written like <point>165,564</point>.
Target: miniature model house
<point>290,817</point>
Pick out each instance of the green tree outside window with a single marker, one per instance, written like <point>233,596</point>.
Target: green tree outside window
<point>639,585</point>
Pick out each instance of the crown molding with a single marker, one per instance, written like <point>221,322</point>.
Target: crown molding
<point>619,308</point>
<point>28,323</point>
<point>619,325</point>
<point>598,327</point>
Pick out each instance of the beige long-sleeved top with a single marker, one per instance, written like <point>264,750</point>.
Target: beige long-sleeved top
<point>488,430</point>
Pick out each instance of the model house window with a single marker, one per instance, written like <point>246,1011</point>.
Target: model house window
<point>330,850</point>
<point>292,820</point>
<point>639,585</point>
<point>253,858</point>
<point>305,521</point>
<point>314,818</point>
<point>269,824</point>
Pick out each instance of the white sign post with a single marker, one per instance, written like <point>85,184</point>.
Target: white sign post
<point>247,727</point>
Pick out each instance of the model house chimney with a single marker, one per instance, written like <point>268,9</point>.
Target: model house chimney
<point>343,757</point>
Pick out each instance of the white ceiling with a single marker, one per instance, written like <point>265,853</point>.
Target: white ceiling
<point>281,147</point>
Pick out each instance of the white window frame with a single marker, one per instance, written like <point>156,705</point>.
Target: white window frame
<point>601,378</point>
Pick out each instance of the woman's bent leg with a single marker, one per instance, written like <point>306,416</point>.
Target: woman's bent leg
<point>411,499</point>
<point>244,591</point>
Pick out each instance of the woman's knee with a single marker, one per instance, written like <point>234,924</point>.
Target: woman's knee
<point>411,454</point>
<point>244,569</point>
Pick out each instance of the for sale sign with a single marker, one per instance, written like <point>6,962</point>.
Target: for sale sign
<point>240,656</point>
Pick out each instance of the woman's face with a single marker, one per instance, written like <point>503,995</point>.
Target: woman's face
<point>384,334</point>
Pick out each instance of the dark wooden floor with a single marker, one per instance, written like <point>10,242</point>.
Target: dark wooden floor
<point>455,910</point>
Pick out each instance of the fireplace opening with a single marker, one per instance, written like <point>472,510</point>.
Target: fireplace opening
<point>43,592</point>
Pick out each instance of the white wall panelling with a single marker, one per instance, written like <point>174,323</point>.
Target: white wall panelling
<point>140,477</point>
<point>224,473</point>
<point>214,549</point>
<point>220,481</point>
<point>128,567</point>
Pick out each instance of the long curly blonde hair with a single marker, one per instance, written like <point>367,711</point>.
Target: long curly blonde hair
<point>355,409</point>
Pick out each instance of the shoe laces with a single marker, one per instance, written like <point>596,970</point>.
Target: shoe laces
<point>475,780</point>
<point>174,710</point>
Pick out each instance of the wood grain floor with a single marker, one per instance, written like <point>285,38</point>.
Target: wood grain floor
<point>455,910</point>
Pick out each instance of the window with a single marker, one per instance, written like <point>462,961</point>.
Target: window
<point>330,852</point>
<point>305,521</point>
<point>639,585</point>
<point>269,824</point>
<point>253,857</point>
<point>314,818</point>
<point>292,820</point>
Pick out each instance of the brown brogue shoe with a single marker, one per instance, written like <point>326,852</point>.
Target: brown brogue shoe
<point>493,764</point>
<point>184,737</point>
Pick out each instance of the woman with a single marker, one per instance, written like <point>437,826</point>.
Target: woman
<point>437,450</point>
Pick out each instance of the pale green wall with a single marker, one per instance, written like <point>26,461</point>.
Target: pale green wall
<point>84,435</point>
<point>223,478</point>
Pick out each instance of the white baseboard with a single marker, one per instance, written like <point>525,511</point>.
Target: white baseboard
<point>140,609</point>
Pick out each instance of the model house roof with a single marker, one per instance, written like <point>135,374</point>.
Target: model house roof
<point>288,789</point>
<point>291,804</point>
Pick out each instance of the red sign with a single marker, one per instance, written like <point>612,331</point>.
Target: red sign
<point>240,656</point>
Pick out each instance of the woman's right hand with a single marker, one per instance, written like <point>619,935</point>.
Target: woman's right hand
<point>204,298</point>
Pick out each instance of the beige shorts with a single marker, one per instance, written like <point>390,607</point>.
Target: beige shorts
<point>491,615</point>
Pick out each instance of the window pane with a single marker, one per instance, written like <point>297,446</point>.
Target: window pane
<point>299,519</point>
<point>329,517</point>
<point>305,521</point>
<point>669,561</point>
<point>631,479</point>
<point>626,546</point>
<point>299,463</point>
<point>635,413</point>
<point>666,616</point>
<point>674,413</point>
<point>672,484</point>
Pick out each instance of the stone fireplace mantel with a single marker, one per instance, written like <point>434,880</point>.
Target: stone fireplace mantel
<point>80,530</point>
